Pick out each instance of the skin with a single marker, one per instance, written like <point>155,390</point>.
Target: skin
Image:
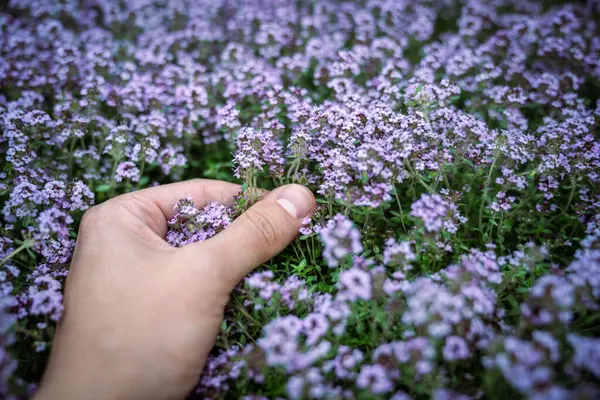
<point>141,316</point>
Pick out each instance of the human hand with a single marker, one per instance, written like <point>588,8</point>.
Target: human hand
<point>141,316</point>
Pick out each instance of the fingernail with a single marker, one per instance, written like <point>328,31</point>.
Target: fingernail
<point>296,200</point>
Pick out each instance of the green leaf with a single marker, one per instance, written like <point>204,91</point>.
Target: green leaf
<point>144,181</point>
<point>103,188</point>
<point>514,302</point>
<point>364,178</point>
<point>301,265</point>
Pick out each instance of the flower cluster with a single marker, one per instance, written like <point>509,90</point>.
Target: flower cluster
<point>288,294</point>
<point>435,212</point>
<point>190,224</point>
<point>258,149</point>
<point>340,239</point>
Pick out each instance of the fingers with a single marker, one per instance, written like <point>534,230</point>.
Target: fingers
<point>202,191</point>
<point>259,234</point>
<point>154,206</point>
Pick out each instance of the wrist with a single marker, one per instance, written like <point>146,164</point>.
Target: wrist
<point>83,378</point>
<point>77,379</point>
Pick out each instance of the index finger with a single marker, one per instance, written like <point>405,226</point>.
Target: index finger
<point>202,191</point>
<point>155,206</point>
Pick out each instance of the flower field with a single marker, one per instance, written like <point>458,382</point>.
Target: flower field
<point>453,147</point>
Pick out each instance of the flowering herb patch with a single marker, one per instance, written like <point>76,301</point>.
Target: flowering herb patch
<point>453,147</point>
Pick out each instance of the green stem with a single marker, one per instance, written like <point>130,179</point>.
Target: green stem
<point>319,269</point>
<point>242,309</point>
<point>310,256</point>
<point>71,158</point>
<point>418,177</point>
<point>485,193</point>
<point>490,229</point>
<point>569,201</point>
<point>427,120</point>
<point>137,185</point>
<point>446,179</point>
<point>290,169</point>
<point>573,185</point>
<point>313,253</point>
<point>295,166</point>
<point>26,244</point>
<point>245,332</point>
<point>575,226</point>
<point>296,243</point>
<point>437,180</point>
<point>400,208</point>
<point>112,175</point>
<point>295,250</point>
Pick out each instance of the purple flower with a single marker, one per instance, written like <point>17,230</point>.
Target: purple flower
<point>7,337</point>
<point>291,292</point>
<point>127,170</point>
<point>587,353</point>
<point>456,348</point>
<point>340,239</point>
<point>45,297</point>
<point>399,254</point>
<point>432,210</point>
<point>315,326</point>
<point>550,301</point>
<point>476,265</point>
<point>281,345</point>
<point>374,378</point>
<point>397,283</point>
<point>345,362</point>
<point>400,396</point>
<point>190,224</point>
<point>354,284</point>
<point>445,394</point>
<point>295,387</point>
<point>257,149</point>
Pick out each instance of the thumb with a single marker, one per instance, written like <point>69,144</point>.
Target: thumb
<point>263,231</point>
